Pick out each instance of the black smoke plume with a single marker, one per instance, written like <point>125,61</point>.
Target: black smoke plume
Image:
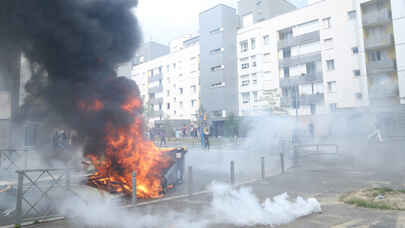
<point>79,43</point>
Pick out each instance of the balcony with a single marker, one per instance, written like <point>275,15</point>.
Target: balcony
<point>305,99</point>
<point>155,78</point>
<point>377,17</point>
<point>382,41</point>
<point>156,101</point>
<point>382,66</point>
<point>301,80</point>
<point>299,40</point>
<point>301,59</point>
<point>157,89</point>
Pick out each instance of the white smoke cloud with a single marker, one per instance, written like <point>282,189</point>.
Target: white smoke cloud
<point>229,206</point>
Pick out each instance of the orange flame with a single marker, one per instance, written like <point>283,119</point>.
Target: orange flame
<point>127,151</point>
<point>93,106</point>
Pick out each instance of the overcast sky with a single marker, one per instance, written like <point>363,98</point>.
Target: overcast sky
<point>164,20</point>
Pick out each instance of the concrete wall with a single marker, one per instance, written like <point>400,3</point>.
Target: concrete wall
<point>398,17</point>
<point>263,9</point>
<point>218,88</point>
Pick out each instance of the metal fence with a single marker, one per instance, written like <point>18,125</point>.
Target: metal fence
<point>14,159</point>
<point>39,191</point>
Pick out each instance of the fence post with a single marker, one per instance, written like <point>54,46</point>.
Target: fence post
<point>20,190</point>
<point>190,181</point>
<point>262,168</point>
<point>67,175</point>
<point>282,162</point>
<point>134,188</point>
<point>232,172</point>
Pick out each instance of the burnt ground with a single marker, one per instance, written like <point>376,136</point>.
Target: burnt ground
<point>325,177</point>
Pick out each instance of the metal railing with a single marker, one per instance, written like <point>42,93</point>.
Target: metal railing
<point>14,159</point>
<point>39,191</point>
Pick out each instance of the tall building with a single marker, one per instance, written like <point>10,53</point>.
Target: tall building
<point>326,56</point>
<point>169,84</point>
<point>253,11</point>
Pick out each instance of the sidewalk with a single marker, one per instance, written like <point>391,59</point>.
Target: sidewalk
<point>325,178</point>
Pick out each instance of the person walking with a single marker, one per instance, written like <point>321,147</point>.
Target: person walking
<point>162,136</point>
<point>206,132</point>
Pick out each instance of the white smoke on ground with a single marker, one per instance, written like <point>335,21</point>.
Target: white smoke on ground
<point>229,206</point>
<point>242,208</point>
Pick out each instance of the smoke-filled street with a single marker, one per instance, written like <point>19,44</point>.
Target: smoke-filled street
<point>218,113</point>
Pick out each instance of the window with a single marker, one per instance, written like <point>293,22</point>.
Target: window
<point>326,23</point>
<point>375,56</point>
<point>286,71</point>
<point>253,59</point>
<point>333,107</point>
<point>286,53</point>
<point>254,81</point>
<point>244,46</point>
<point>218,85</point>
<point>356,72</point>
<point>266,40</point>
<point>193,103</point>
<point>181,104</point>
<point>160,107</point>
<point>245,66</point>
<point>216,51</point>
<point>328,43</point>
<point>359,96</point>
<point>332,87</point>
<point>286,34</point>
<point>245,98</point>
<point>311,67</point>
<point>266,57</point>
<point>245,83</point>
<point>194,88</point>
<point>217,30</point>
<point>168,106</point>
<point>174,65</point>
<point>217,68</point>
<point>181,90</point>
<point>355,50</point>
<point>351,14</point>
<point>330,64</point>
<point>255,97</point>
<point>167,68</point>
<point>253,43</point>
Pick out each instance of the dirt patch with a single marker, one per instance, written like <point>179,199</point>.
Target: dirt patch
<point>378,198</point>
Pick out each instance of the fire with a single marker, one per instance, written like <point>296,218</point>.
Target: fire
<point>93,106</point>
<point>127,151</point>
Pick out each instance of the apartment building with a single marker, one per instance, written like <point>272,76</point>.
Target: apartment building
<point>169,84</point>
<point>321,58</point>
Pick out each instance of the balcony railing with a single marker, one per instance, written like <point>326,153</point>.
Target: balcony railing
<point>156,101</point>
<point>305,99</point>
<point>301,59</point>
<point>157,89</point>
<point>301,80</point>
<point>155,78</point>
<point>299,40</point>
<point>378,17</point>
<point>382,66</point>
<point>381,41</point>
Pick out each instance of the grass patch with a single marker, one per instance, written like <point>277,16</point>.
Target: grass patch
<point>382,191</point>
<point>369,204</point>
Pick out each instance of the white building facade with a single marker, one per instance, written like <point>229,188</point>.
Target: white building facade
<point>323,57</point>
<point>169,85</point>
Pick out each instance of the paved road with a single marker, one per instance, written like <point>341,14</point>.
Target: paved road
<point>324,177</point>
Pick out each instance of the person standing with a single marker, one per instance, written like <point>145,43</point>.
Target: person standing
<point>162,138</point>
<point>206,132</point>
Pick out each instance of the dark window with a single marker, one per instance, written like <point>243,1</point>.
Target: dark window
<point>355,50</point>
<point>356,72</point>
<point>286,52</point>
<point>310,67</point>
<point>168,106</point>
<point>286,72</point>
